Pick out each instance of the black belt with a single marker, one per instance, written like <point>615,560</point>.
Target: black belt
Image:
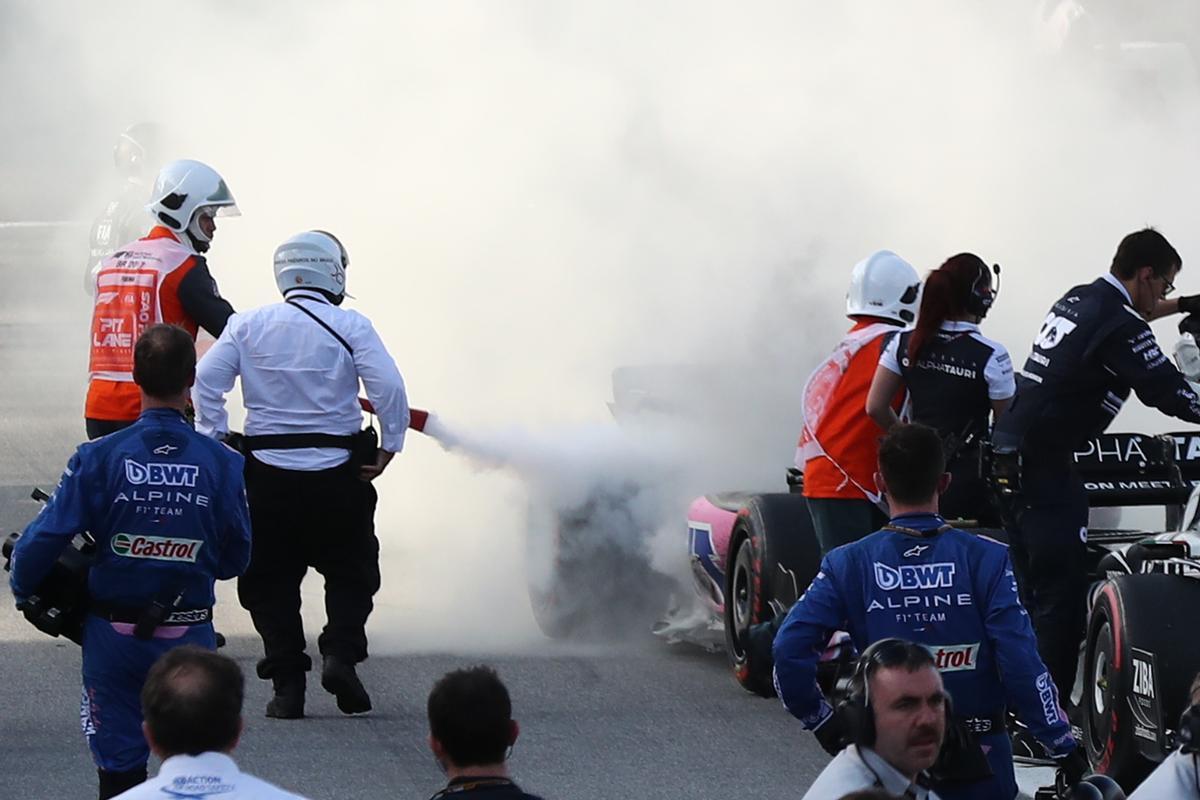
<point>295,441</point>
<point>178,616</point>
<point>983,726</point>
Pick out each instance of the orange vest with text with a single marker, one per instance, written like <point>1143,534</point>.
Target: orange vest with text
<point>136,287</point>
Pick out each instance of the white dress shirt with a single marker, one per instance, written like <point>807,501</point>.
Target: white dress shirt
<point>855,769</point>
<point>1176,777</point>
<point>207,776</point>
<point>297,378</point>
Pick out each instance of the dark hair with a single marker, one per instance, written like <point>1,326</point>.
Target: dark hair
<point>1144,248</point>
<point>945,296</point>
<point>164,361</point>
<point>912,462</point>
<point>471,715</point>
<point>192,701</point>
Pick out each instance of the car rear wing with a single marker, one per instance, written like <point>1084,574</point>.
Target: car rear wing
<point>1137,469</point>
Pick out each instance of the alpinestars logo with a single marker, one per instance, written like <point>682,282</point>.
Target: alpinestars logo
<point>161,474</point>
<point>156,547</point>
<point>939,575</point>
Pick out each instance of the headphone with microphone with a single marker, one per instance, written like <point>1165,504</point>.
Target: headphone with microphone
<point>1188,738</point>
<point>981,296</point>
<point>855,712</point>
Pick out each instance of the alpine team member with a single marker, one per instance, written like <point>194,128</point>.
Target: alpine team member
<point>1093,346</point>
<point>921,580</point>
<point>160,278</point>
<point>136,156</point>
<point>308,479</point>
<point>957,379</point>
<point>167,508</point>
<point>839,441</point>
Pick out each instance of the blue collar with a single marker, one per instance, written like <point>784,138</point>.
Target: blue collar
<point>162,415</point>
<point>918,521</point>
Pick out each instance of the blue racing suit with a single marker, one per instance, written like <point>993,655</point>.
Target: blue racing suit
<point>1092,349</point>
<point>920,580</point>
<point>167,508</point>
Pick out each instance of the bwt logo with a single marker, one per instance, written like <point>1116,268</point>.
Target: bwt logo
<point>915,576</point>
<point>161,474</point>
<point>1049,697</point>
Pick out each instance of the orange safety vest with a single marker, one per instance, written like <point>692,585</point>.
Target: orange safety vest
<point>839,444</point>
<point>136,287</point>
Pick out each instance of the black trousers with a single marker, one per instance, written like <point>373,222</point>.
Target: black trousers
<point>1047,532</point>
<point>103,427</point>
<point>324,520</point>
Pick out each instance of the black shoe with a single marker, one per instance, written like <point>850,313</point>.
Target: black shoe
<point>339,679</point>
<point>288,702</point>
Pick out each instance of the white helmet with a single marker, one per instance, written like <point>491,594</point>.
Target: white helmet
<point>312,260</point>
<point>884,285</point>
<point>183,188</point>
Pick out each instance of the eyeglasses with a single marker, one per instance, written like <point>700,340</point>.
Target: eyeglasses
<point>1168,287</point>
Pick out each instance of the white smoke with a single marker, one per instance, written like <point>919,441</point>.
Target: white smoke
<point>534,193</point>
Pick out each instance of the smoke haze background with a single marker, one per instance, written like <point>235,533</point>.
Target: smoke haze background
<point>534,193</point>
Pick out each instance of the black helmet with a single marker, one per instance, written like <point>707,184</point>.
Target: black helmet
<point>138,151</point>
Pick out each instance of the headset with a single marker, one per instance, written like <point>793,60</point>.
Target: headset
<point>1188,738</point>
<point>855,712</point>
<point>981,295</point>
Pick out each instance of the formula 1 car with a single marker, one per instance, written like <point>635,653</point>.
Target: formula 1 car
<point>752,555</point>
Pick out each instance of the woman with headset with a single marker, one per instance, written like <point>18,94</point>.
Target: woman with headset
<point>957,379</point>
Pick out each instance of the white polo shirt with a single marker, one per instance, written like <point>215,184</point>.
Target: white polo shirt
<point>855,769</point>
<point>208,775</point>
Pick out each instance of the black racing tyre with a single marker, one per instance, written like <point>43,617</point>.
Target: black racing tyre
<point>588,570</point>
<point>1128,614</point>
<point>773,555</point>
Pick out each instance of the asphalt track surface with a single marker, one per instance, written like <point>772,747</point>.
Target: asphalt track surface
<point>636,718</point>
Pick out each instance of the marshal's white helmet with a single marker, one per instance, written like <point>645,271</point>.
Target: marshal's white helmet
<point>312,260</point>
<point>884,285</point>
<point>185,187</point>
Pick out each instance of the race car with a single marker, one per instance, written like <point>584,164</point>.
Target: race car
<point>752,555</point>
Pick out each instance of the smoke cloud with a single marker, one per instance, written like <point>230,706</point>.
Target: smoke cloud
<point>535,193</point>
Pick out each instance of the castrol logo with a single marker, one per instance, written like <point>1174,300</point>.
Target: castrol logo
<point>955,657</point>
<point>156,547</point>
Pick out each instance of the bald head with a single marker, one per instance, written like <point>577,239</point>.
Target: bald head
<point>192,702</point>
<point>164,362</point>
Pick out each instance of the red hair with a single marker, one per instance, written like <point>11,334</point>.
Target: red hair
<point>945,295</point>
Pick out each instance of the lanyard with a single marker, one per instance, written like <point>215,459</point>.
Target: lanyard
<point>470,786</point>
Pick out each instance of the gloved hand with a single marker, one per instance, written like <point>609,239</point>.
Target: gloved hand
<point>1190,324</point>
<point>1074,766</point>
<point>1187,357</point>
<point>831,734</point>
<point>1189,304</point>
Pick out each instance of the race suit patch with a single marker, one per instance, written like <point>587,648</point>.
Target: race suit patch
<point>939,575</point>
<point>156,547</point>
<point>956,657</point>
<point>161,474</point>
<point>1049,697</point>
